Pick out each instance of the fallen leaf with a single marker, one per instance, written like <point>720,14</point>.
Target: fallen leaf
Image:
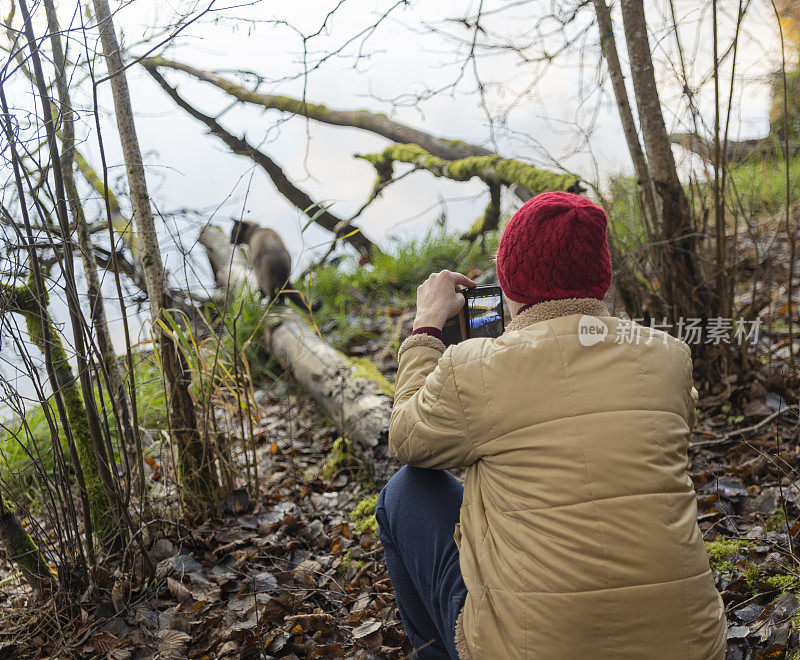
<point>179,591</point>
<point>172,645</point>
<point>367,628</point>
<point>103,642</point>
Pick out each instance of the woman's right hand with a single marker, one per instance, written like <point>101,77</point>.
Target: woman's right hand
<point>439,297</point>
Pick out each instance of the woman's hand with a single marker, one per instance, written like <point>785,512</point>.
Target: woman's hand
<point>439,298</point>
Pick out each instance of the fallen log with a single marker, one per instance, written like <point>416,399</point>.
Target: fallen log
<point>359,409</point>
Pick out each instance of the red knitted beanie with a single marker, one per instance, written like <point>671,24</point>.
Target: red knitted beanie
<point>555,247</point>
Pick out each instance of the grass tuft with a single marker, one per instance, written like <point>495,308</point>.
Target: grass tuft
<point>21,449</point>
<point>350,293</point>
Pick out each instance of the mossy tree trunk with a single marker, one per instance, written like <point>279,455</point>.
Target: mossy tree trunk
<point>23,300</point>
<point>196,468</point>
<point>494,170</point>
<point>121,404</point>
<point>23,551</point>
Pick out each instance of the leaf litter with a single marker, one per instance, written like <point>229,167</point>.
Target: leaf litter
<point>282,574</point>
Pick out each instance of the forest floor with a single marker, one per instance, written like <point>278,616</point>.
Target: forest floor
<point>286,573</point>
<point>292,572</point>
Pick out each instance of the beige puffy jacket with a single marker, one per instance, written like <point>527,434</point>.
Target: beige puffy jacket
<point>578,535</point>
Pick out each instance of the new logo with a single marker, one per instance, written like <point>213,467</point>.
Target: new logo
<point>591,330</point>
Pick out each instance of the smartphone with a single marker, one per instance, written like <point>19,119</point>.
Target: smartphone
<point>481,316</point>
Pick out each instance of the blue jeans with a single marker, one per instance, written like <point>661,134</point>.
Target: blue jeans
<point>417,512</point>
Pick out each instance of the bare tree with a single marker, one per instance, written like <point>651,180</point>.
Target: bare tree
<point>120,403</point>
<point>196,466</point>
<point>679,271</point>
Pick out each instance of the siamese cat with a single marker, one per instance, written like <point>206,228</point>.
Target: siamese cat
<point>270,260</point>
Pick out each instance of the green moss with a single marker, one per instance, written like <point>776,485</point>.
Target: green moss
<point>363,516</point>
<point>365,368</point>
<point>22,550</point>
<point>347,560</point>
<point>455,144</point>
<point>752,574</point>
<point>776,521</point>
<point>720,550</point>
<point>40,329</point>
<point>723,567</point>
<point>98,503</point>
<point>726,554</point>
<point>783,582</point>
<point>492,168</point>
<point>511,171</point>
<point>340,458</point>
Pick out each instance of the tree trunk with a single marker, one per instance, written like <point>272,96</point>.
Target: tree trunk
<point>21,549</point>
<point>359,409</point>
<point>492,169</point>
<point>121,405</point>
<point>682,282</point>
<point>42,333</point>
<point>195,463</point>
<point>608,45</point>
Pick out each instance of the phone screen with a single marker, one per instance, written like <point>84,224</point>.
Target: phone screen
<point>485,315</point>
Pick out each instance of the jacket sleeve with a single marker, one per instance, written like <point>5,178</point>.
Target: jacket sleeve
<point>428,427</point>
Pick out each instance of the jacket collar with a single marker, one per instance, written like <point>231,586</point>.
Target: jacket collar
<point>550,309</point>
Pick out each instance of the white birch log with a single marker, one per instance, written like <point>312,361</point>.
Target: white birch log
<point>358,408</point>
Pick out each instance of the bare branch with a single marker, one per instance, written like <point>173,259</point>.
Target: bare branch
<point>299,198</point>
<point>735,151</point>
<point>363,119</point>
